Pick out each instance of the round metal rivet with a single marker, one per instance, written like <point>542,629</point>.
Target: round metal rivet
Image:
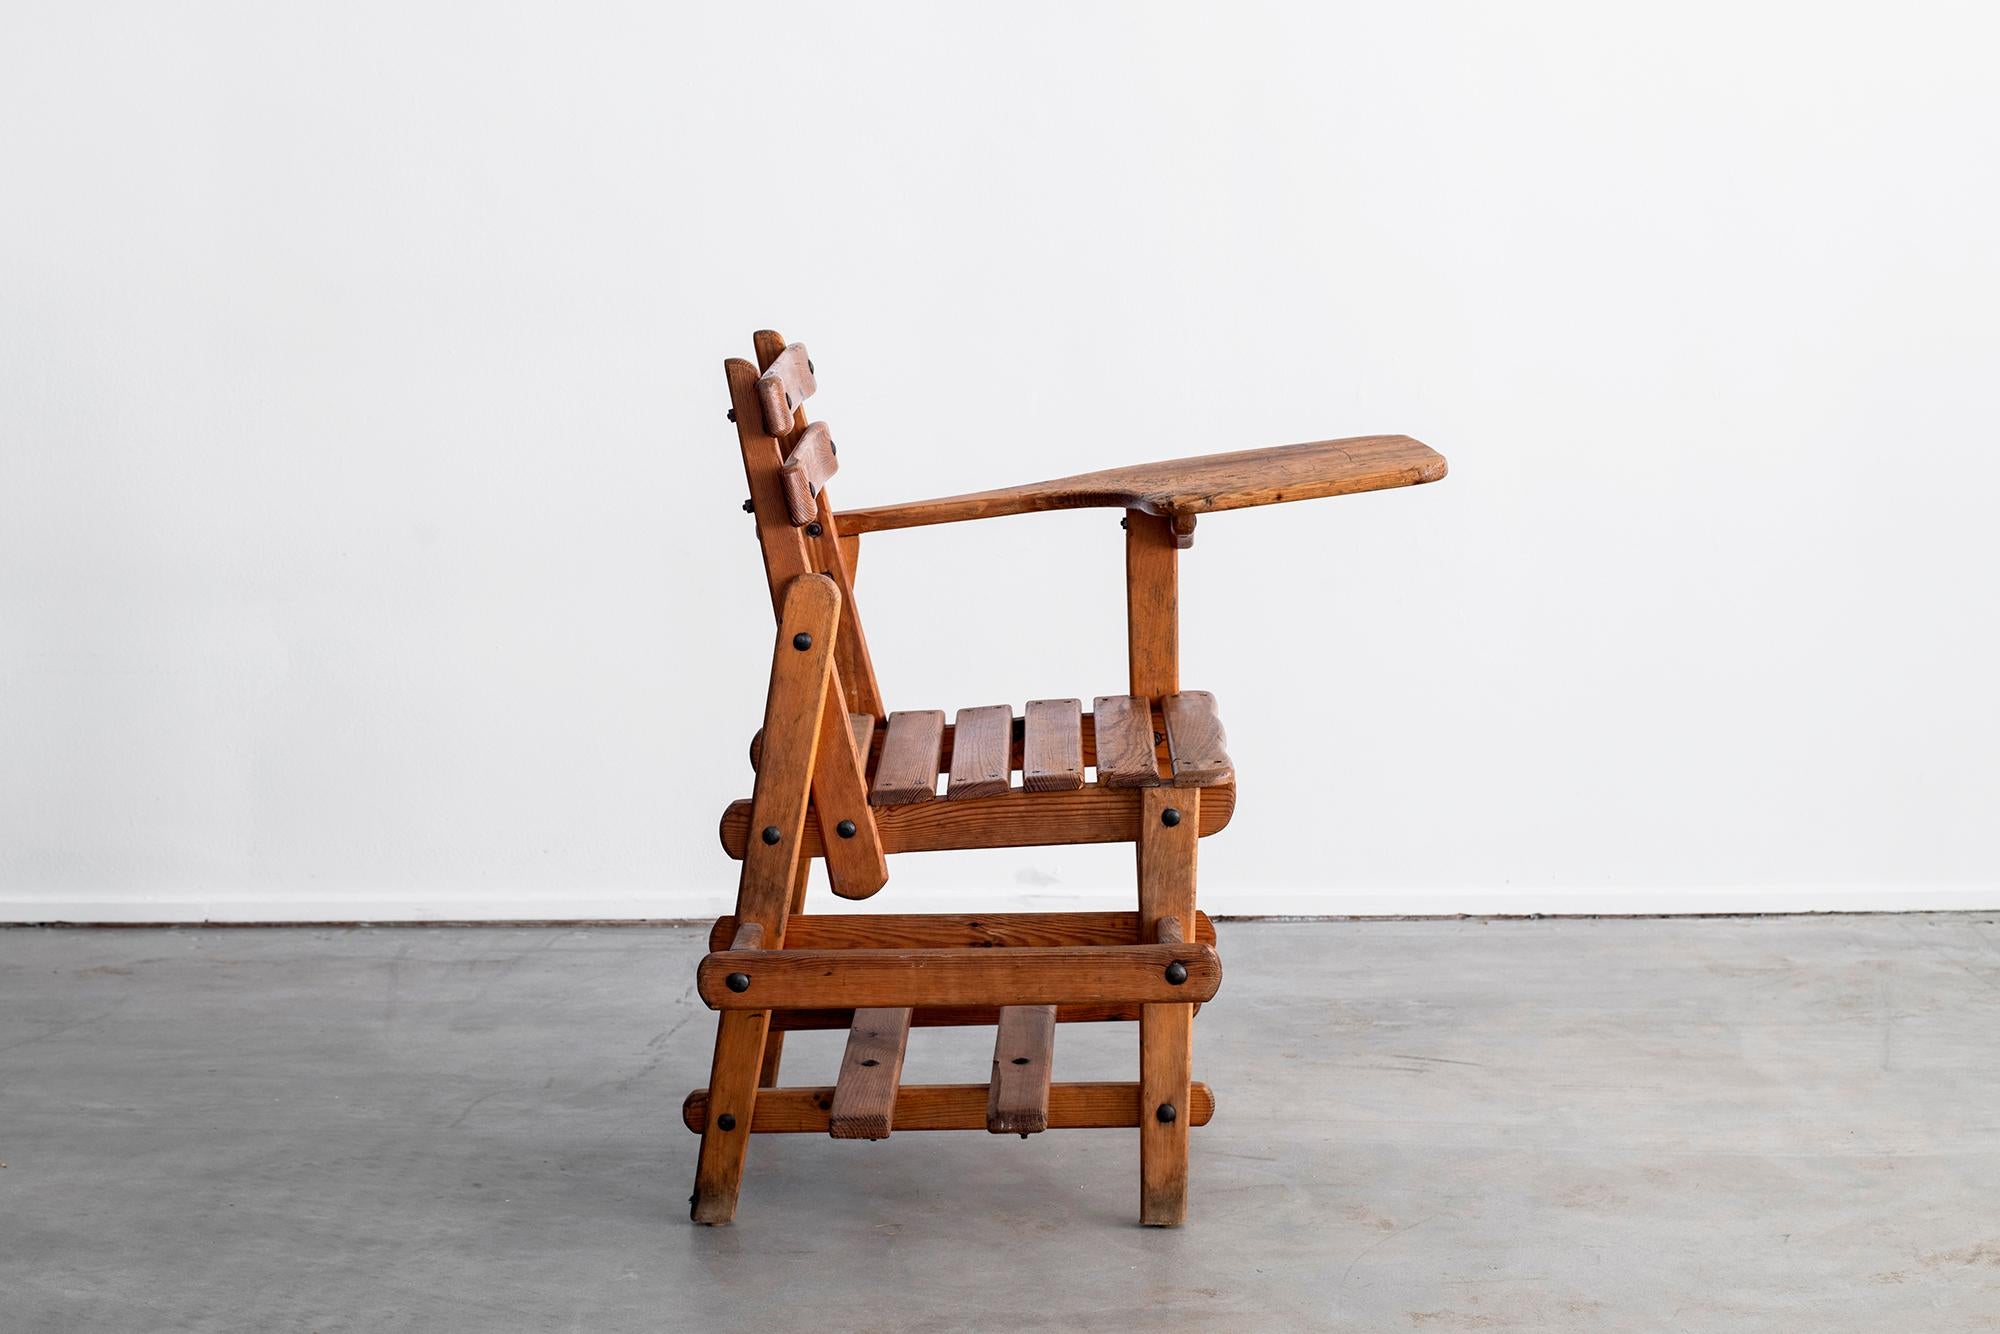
<point>1166,1114</point>
<point>749,507</point>
<point>1176,972</point>
<point>802,641</point>
<point>732,414</point>
<point>737,982</point>
<point>1171,816</point>
<point>725,1122</point>
<point>809,367</point>
<point>771,834</point>
<point>845,829</point>
<point>814,530</point>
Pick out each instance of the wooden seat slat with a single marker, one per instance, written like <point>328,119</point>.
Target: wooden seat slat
<point>981,743</point>
<point>1125,746</point>
<point>908,769</point>
<point>1196,746</point>
<point>1052,745</point>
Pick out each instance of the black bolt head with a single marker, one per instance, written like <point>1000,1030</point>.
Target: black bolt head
<point>728,1122</point>
<point>814,530</point>
<point>1166,1114</point>
<point>802,641</point>
<point>732,414</point>
<point>1171,816</point>
<point>845,829</point>
<point>809,367</point>
<point>771,835</point>
<point>737,982</point>
<point>749,507</point>
<point>1176,973</point>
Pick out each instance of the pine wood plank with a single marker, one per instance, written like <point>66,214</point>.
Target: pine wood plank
<point>1024,1049</point>
<point>1078,1106</point>
<point>790,979</point>
<point>886,931</point>
<point>909,765</point>
<point>1126,756</point>
<point>1179,487</point>
<point>1052,745</point>
<point>981,747</point>
<point>864,1098</point>
<point>1196,746</point>
<point>1015,819</point>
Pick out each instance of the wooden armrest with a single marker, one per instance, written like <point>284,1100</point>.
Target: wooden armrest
<point>1186,487</point>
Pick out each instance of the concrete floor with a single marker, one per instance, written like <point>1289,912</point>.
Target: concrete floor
<point>1766,1124</point>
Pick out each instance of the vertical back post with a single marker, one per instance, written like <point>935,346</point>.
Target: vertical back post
<point>857,670</point>
<point>855,865</point>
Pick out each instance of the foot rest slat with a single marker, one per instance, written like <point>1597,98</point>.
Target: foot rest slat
<point>1024,1051</point>
<point>864,1100</point>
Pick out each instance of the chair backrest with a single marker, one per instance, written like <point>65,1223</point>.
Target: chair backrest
<point>787,461</point>
<point>806,449</point>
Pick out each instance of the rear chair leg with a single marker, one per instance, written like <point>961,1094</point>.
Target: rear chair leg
<point>773,877</point>
<point>732,1096</point>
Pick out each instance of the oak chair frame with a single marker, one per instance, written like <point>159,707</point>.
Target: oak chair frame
<point>840,779</point>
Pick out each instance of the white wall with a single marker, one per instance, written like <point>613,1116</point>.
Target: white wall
<point>369,541</point>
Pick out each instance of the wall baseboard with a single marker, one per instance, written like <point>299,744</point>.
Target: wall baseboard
<point>1475,901</point>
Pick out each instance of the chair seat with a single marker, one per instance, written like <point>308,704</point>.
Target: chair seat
<point>1125,741</point>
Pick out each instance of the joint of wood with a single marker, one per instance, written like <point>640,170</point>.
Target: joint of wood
<point>749,936</point>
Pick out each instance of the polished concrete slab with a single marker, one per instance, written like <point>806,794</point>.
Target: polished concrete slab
<point>1730,1124</point>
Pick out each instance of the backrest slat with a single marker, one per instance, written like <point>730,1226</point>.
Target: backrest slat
<point>784,387</point>
<point>813,459</point>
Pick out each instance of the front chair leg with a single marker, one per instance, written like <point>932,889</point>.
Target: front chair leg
<point>1169,822</point>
